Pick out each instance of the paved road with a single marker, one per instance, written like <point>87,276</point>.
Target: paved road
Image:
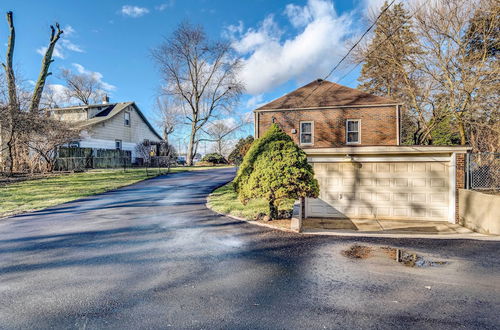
<point>152,256</point>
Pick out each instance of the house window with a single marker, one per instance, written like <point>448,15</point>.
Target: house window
<point>127,118</point>
<point>118,144</point>
<point>353,131</point>
<point>306,132</point>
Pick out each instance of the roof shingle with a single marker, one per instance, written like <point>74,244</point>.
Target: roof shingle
<point>323,93</point>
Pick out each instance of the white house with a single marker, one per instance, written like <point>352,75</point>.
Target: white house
<point>109,125</point>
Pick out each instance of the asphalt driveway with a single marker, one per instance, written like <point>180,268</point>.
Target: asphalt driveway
<point>151,255</point>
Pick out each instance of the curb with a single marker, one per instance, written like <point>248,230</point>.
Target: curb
<point>253,222</point>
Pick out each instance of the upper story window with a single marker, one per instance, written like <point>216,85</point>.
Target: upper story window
<point>353,131</point>
<point>127,119</point>
<point>306,132</point>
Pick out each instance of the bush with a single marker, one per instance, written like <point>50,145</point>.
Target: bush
<point>274,133</point>
<point>214,158</point>
<point>276,169</point>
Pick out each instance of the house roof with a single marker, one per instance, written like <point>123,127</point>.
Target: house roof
<point>107,112</point>
<point>322,93</point>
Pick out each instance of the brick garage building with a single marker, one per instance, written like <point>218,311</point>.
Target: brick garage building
<point>352,139</point>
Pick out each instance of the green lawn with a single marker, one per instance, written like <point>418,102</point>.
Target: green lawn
<point>33,195</point>
<point>225,200</point>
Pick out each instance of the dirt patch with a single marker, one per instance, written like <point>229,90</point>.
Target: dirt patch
<point>401,256</point>
<point>358,252</point>
<point>279,223</point>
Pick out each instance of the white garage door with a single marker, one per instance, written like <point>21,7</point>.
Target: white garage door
<point>397,190</point>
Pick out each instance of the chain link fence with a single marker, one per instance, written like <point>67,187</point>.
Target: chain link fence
<point>483,171</point>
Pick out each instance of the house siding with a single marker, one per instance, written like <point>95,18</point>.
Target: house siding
<point>115,129</point>
<point>378,125</point>
<point>71,115</point>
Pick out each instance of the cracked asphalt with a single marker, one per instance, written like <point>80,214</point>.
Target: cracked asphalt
<point>151,255</point>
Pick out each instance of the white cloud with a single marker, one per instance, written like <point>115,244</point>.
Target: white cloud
<point>67,44</point>
<point>96,75</point>
<point>165,5</point>
<point>68,30</point>
<point>59,93</point>
<point>255,101</point>
<point>134,11</point>
<point>269,60</point>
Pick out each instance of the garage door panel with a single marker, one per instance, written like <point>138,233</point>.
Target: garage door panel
<point>382,190</point>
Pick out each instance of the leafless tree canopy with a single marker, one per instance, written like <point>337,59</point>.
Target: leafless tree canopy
<point>445,68</point>
<point>82,87</point>
<point>201,74</point>
<point>28,137</point>
<point>169,115</point>
<point>220,133</point>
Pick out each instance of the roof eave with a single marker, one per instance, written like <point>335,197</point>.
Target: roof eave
<point>330,107</point>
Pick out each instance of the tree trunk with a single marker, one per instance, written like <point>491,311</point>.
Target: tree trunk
<point>273,210</point>
<point>461,130</point>
<point>190,151</point>
<point>44,72</point>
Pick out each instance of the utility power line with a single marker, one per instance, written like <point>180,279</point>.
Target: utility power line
<point>359,40</point>
<point>386,38</point>
<point>352,48</point>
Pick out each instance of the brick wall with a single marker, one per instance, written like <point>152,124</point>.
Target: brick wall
<point>460,181</point>
<point>378,124</point>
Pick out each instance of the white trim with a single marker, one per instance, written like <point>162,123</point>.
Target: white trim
<point>347,131</point>
<point>312,132</point>
<point>332,107</point>
<point>453,184</point>
<point>125,113</point>
<point>372,159</point>
<point>120,144</point>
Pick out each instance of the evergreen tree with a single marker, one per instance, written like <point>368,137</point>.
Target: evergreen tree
<point>385,59</point>
<point>275,168</point>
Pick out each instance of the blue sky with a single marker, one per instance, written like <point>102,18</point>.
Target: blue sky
<point>284,44</point>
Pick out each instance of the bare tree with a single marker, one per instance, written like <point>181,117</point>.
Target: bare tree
<point>44,72</point>
<point>83,87</point>
<point>200,73</point>
<point>52,97</point>
<point>458,75</point>
<point>221,132</point>
<point>20,114</point>
<point>47,135</point>
<point>170,116</point>
<point>444,84</point>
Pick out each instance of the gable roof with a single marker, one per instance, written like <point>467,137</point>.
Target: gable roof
<point>324,93</point>
<point>107,112</point>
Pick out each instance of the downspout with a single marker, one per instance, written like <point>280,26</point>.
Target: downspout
<point>398,124</point>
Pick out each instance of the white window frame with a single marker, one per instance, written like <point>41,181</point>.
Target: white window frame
<point>312,133</point>
<point>120,143</point>
<point>125,118</point>
<point>347,131</point>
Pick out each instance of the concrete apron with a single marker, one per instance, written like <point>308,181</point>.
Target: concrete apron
<point>390,229</point>
<point>382,228</point>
